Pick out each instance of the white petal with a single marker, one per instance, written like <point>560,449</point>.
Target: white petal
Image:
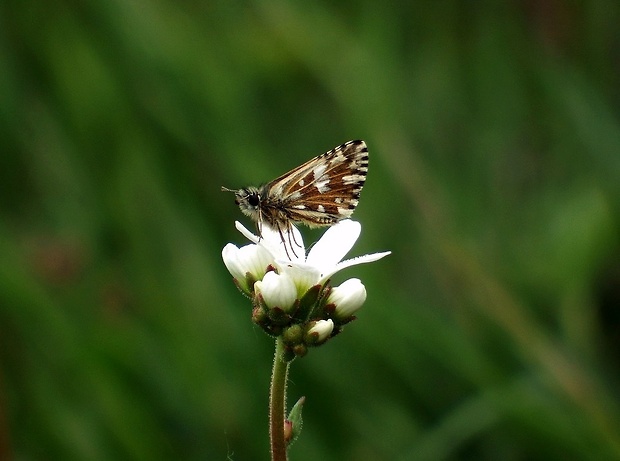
<point>303,275</point>
<point>254,259</point>
<point>277,290</point>
<point>249,258</point>
<point>354,262</point>
<point>334,244</point>
<point>246,233</point>
<point>230,255</point>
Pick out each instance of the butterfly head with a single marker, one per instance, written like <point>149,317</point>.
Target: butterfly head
<point>248,199</point>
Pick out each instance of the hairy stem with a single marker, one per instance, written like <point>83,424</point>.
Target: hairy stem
<point>277,403</point>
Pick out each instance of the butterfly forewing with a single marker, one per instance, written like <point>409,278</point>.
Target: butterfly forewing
<point>323,190</point>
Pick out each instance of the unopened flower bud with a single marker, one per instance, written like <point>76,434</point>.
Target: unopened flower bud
<point>277,290</point>
<point>319,332</point>
<point>292,335</point>
<point>348,298</point>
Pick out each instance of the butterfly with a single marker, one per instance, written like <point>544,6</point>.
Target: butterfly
<point>318,193</point>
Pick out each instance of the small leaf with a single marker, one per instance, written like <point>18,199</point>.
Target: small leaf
<point>295,420</point>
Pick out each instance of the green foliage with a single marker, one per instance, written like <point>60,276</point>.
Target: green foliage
<point>490,333</point>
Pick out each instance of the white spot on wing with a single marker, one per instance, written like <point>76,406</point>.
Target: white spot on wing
<point>319,170</point>
<point>322,185</point>
<point>344,212</point>
<point>320,209</point>
<point>338,158</point>
<point>352,179</point>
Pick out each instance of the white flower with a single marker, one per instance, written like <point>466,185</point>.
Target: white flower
<point>246,264</point>
<point>278,290</point>
<point>287,285</point>
<point>320,331</point>
<point>322,261</point>
<point>348,298</point>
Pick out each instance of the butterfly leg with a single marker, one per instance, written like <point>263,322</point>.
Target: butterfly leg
<point>259,226</point>
<point>289,240</point>
<point>283,240</point>
<point>286,240</point>
<point>290,232</point>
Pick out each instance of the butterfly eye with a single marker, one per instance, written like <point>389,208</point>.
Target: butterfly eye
<point>254,199</point>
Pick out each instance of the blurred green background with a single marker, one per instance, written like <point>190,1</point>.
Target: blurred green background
<point>492,331</point>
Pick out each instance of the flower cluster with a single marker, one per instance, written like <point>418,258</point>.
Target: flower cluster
<point>291,291</point>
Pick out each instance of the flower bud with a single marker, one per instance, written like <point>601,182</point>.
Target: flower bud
<point>300,350</point>
<point>277,290</point>
<point>348,298</point>
<point>319,331</point>
<point>292,335</point>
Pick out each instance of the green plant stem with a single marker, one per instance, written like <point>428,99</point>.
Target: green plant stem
<point>277,403</point>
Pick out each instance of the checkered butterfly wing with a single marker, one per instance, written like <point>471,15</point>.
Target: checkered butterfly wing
<point>323,190</point>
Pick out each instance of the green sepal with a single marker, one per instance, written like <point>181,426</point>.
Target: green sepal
<point>241,288</point>
<point>319,312</point>
<point>249,283</point>
<point>296,420</point>
<point>259,315</point>
<point>279,316</point>
<point>307,302</point>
